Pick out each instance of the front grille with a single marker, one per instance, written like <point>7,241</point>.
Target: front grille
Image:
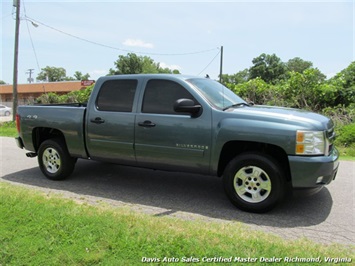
<point>330,136</point>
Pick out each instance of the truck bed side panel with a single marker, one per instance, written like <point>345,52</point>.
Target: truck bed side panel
<point>66,119</point>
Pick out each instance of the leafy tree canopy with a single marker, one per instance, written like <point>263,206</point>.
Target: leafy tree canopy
<point>269,68</point>
<point>272,70</point>
<point>52,74</point>
<point>239,77</point>
<point>79,76</point>
<point>133,64</point>
<point>346,77</point>
<point>298,65</point>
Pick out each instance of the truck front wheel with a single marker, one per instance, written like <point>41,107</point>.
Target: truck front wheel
<point>254,182</point>
<point>54,159</point>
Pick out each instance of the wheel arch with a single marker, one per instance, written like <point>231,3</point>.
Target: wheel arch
<point>233,148</point>
<point>41,134</point>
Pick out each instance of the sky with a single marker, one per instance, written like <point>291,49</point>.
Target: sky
<point>88,36</point>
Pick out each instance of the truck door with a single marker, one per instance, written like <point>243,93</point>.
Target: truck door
<point>169,140</point>
<point>110,122</point>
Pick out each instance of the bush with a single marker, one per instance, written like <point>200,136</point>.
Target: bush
<point>80,96</point>
<point>49,97</point>
<point>340,114</point>
<point>256,91</point>
<point>346,135</point>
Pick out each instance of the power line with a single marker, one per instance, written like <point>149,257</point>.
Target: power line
<point>29,33</point>
<point>116,48</point>
<point>209,63</point>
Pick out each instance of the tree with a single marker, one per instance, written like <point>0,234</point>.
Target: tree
<point>256,91</point>
<point>269,68</point>
<point>130,64</point>
<point>79,76</point>
<point>52,74</point>
<point>298,65</point>
<point>345,79</point>
<point>2,82</point>
<point>347,76</point>
<point>133,64</point>
<point>239,77</point>
<point>306,90</point>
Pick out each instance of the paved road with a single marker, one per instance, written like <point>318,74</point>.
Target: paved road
<point>325,217</point>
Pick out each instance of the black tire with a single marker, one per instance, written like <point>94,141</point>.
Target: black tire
<point>54,159</point>
<point>254,182</point>
<point>7,113</point>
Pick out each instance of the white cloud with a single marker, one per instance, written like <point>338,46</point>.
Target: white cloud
<point>95,74</point>
<point>172,67</point>
<point>137,43</point>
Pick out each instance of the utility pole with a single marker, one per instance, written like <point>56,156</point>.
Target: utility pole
<point>30,71</point>
<point>221,66</point>
<point>14,88</point>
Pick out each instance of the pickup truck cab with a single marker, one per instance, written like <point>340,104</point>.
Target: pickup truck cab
<point>186,124</point>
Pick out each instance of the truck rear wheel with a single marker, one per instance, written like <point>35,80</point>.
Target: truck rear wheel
<point>254,182</point>
<point>54,159</point>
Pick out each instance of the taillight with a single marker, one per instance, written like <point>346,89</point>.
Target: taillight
<point>18,117</point>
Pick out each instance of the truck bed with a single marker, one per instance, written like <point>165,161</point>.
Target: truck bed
<point>66,119</point>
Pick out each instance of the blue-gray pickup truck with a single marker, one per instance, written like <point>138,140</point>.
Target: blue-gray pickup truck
<point>186,124</point>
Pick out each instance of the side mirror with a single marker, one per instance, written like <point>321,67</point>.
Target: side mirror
<point>187,106</point>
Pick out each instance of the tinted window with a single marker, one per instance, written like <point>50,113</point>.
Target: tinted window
<point>160,96</point>
<point>116,95</point>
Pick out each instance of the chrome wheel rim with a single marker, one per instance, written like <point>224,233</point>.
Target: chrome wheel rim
<point>252,184</point>
<point>51,160</point>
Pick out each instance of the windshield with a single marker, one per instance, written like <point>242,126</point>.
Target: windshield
<point>217,94</point>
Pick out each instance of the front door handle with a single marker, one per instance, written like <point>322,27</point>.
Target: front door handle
<point>97,120</point>
<point>146,123</point>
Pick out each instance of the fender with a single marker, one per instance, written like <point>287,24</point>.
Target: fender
<point>258,131</point>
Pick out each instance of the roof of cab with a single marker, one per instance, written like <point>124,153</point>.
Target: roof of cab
<point>150,76</point>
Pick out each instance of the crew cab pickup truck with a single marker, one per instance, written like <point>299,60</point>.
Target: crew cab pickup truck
<point>186,124</point>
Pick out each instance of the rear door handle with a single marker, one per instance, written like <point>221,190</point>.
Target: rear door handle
<point>146,123</point>
<point>97,120</point>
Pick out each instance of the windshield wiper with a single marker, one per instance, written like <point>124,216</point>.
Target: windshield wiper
<point>236,105</point>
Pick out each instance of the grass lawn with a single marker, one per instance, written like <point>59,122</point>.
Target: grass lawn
<point>37,229</point>
<point>8,129</point>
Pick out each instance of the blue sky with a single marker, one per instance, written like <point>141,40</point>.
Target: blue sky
<point>88,36</point>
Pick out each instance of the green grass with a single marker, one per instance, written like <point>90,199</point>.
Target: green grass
<point>37,229</point>
<point>8,129</point>
<point>347,153</point>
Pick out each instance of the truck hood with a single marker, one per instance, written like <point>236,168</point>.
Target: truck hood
<point>293,116</point>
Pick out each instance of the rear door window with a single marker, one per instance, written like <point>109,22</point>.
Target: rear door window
<point>117,95</point>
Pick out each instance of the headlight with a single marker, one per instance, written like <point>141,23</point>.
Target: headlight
<point>310,142</point>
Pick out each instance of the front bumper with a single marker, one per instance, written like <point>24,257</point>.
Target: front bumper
<point>311,172</point>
